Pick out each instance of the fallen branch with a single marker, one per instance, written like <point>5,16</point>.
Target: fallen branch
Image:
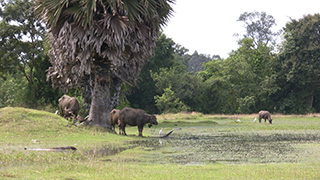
<point>52,149</point>
<point>166,135</point>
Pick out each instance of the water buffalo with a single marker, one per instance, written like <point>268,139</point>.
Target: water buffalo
<point>114,118</point>
<point>135,117</point>
<point>68,106</point>
<point>265,115</point>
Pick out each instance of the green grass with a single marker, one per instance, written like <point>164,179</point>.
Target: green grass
<point>206,147</point>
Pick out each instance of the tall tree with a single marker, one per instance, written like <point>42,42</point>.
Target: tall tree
<point>21,37</point>
<point>196,61</point>
<point>185,86</point>
<point>259,27</point>
<point>101,43</point>
<point>242,82</point>
<point>22,47</point>
<point>142,95</point>
<point>299,65</point>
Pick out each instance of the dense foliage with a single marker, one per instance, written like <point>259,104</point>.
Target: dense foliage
<point>255,76</point>
<point>298,66</point>
<point>23,59</point>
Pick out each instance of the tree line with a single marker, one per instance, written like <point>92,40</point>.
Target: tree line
<point>263,73</point>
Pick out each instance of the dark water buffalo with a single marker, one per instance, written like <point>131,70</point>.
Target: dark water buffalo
<point>135,117</point>
<point>114,118</point>
<point>68,106</point>
<point>265,115</point>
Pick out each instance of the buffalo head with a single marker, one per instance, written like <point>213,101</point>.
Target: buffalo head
<point>152,119</point>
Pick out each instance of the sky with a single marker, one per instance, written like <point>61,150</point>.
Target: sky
<point>208,26</point>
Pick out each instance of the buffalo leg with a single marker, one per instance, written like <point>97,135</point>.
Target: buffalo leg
<point>140,130</point>
<point>113,128</point>
<point>120,130</point>
<point>124,130</point>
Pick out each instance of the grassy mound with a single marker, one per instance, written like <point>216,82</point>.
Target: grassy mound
<point>22,125</point>
<point>40,129</point>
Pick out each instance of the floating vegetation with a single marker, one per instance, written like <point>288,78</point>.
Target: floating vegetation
<point>227,147</point>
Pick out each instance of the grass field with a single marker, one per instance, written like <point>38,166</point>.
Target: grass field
<point>200,147</point>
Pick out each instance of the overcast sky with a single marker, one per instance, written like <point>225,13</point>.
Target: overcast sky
<point>209,26</point>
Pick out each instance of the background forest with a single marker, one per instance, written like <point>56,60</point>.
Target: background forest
<point>275,71</point>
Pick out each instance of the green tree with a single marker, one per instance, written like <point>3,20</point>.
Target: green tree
<point>244,82</point>
<point>241,83</point>
<point>22,50</point>
<point>101,44</point>
<point>13,90</point>
<point>218,96</point>
<point>196,61</point>
<point>142,95</point>
<point>259,27</point>
<point>169,103</point>
<point>186,86</point>
<point>298,65</point>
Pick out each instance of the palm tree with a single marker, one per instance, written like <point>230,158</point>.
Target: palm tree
<point>100,44</point>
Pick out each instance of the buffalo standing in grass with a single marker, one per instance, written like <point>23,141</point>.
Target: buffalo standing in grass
<point>135,117</point>
<point>68,107</point>
<point>265,115</point>
<point>114,118</point>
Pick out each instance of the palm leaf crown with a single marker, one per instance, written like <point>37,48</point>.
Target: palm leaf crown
<point>113,38</point>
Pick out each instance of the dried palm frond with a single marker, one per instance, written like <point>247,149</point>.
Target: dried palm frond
<point>109,39</point>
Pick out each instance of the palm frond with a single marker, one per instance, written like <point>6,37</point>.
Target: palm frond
<point>110,37</point>
<point>88,7</point>
<point>51,10</point>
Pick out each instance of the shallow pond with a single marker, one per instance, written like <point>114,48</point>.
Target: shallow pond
<point>223,147</point>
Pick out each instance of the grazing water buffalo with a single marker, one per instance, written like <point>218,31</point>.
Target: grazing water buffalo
<point>114,118</point>
<point>68,106</point>
<point>135,117</point>
<point>265,115</point>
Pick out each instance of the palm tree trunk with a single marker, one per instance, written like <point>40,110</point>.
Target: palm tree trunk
<point>100,103</point>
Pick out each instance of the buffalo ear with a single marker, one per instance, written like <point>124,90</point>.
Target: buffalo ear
<point>62,98</point>
<point>147,116</point>
<point>154,117</point>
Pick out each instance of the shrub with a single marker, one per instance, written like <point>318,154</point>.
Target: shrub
<point>168,102</point>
